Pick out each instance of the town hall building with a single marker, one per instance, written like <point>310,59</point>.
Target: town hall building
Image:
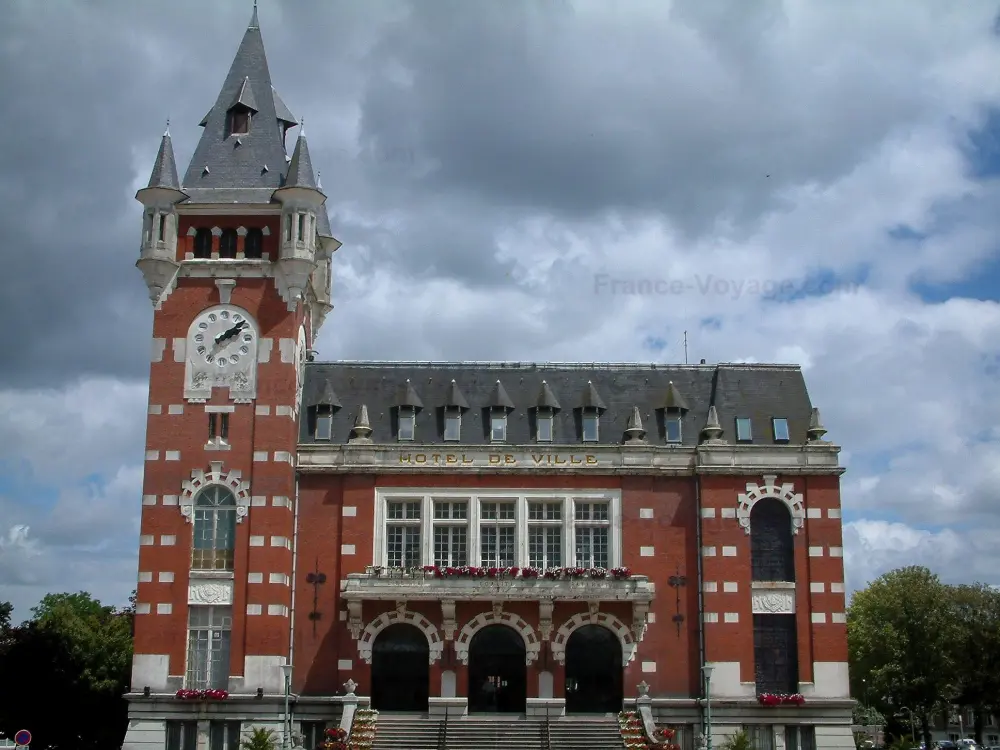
<point>440,553</point>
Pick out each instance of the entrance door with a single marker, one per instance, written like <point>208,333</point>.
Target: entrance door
<point>498,672</point>
<point>401,672</point>
<point>593,671</point>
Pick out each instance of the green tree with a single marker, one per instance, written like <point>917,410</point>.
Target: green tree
<point>6,610</point>
<point>74,653</point>
<point>976,650</point>
<point>901,634</point>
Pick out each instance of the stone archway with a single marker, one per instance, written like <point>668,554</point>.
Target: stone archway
<point>594,671</point>
<point>784,492</point>
<point>532,645</point>
<point>610,622</point>
<point>367,640</point>
<point>400,672</point>
<point>231,480</point>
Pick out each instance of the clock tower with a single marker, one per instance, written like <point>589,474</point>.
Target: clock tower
<point>236,256</point>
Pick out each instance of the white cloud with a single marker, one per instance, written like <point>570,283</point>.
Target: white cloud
<point>755,146</point>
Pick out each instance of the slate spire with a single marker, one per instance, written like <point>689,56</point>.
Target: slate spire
<point>164,174</point>
<point>230,160</point>
<point>300,168</point>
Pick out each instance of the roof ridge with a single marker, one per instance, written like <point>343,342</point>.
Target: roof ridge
<point>525,364</point>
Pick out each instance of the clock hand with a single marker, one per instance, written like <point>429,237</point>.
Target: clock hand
<point>231,332</point>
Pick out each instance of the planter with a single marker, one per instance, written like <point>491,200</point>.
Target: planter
<point>781,699</point>
<point>202,695</point>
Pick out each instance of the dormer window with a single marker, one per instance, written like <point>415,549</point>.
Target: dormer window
<point>324,422</point>
<point>453,424</point>
<point>591,425</point>
<point>672,426</point>
<point>780,426</point>
<point>239,121</point>
<point>407,423</point>
<point>543,425</point>
<point>498,425</point>
<point>744,433</point>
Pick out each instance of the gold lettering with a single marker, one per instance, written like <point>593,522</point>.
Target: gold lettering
<point>559,460</point>
<point>404,458</point>
<point>538,458</point>
<point>436,458</point>
<point>494,459</point>
<point>509,459</point>
<point>451,458</point>
<point>466,460</point>
<point>591,460</point>
<point>420,458</point>
<point>575,460</point>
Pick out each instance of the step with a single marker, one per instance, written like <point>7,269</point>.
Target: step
<point>493,732</point>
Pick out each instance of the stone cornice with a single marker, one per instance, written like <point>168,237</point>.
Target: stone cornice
<point>569,459</point>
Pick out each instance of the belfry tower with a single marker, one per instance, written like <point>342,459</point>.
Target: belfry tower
<point>236,256</point>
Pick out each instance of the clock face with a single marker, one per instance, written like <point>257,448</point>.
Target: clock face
<point>300,365</point>
<point>222,340</point>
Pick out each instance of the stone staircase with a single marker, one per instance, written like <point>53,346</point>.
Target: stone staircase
<point>581,733</point>
<point>415,732</point>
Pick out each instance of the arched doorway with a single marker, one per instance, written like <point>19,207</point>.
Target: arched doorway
<point>593,671</point>
<point>498,672</point>
<point>401,672</point>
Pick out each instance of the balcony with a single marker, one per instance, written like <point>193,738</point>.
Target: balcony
<point>500,585</point>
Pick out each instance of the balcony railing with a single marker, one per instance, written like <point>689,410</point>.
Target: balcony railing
<point>503,584</point>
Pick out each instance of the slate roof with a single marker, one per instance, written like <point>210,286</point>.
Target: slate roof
<point>248,168</point>
<point>760,392</point>
<point>164,174</point>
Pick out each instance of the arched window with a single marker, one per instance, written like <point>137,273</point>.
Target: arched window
<point>203,243</point>
<point>214,529</point>
<point>227,243</point>
<point>253,243</point>
<point>772,550</point>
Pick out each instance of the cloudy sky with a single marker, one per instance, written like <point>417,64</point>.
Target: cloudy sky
<point>488,164</point>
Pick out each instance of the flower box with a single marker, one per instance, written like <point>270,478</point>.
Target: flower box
<point>781,699</point>
<point>472,571</point>
<point>195,695</point>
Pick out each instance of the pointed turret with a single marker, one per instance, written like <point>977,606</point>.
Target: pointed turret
<point>634,432</point>
<point>241,156</point>
<point>300,168</point>
<point>158,251</point>
<point>362,430</point>
<point>164,174</point>
<point>712,431</point>
<point>816,429</point>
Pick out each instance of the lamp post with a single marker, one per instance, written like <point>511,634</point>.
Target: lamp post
<point>707,672</point>
<point>286,734</point>
<point>913,732</point>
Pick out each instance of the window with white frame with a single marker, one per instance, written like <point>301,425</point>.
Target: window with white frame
<point>672,420</point>
<point>498,425</point>
<point>214,529</point>
<point>452,424</point>
<point>591,425</point>
<point>497,528</point>
<point>545,534</point>
<point>498,533</point>
<point>402,534</point>
<point>209,631</point>
<point>406,423</point>
<point>451,533</point>
<point>593,527</point>
<point>543,425</point>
